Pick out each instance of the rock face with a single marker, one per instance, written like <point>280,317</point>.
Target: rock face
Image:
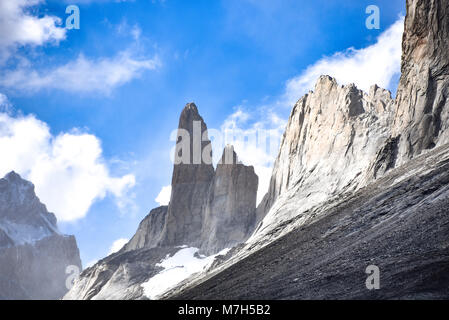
<point>192,175</point>
<point>332,135</point>
<point>33,254</point>
<point>149,233</point>
<point>422,109</point>
<point>231,209</point>
<point>208,209</point>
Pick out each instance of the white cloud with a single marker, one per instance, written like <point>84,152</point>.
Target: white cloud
<point>82,75</point>
<point>117,245</point>
<point>375,64</point>
<point>68,170</point>
<point>19,28</point>
<point>163,198</point>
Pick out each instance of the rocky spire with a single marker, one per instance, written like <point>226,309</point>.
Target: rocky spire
<point>192,175</point>
<point>231,208</point>
<point>422,107</point>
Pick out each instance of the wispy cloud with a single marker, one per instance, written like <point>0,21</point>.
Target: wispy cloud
<point>68,170</point>
<point>20,27</point>
<point>83,75</point>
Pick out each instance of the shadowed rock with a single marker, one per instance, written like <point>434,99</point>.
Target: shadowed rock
<point>422,106</point>
<point>231,208</point>
<point>34,255</point>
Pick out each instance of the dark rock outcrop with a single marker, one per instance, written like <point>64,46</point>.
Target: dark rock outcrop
<point>349,199</point>
<point>34,255</point>
<point>422,105</point>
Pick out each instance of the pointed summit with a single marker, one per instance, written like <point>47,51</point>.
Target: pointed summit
<point>192,176</point>
<point>34,255</point>
<point>229,156</point>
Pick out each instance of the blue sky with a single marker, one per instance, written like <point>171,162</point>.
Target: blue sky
<point>113,89</point>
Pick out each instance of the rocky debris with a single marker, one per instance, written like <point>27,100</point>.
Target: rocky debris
<point>192,176</point>
<point>398,223</point>
<point>231,210</point>
<point>422,107</point>
<point>34,255</point>
<point>149,233</point>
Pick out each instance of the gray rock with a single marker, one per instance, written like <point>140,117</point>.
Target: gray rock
<point>343,195</point>
<point>34,255</point>
<point>332,136</point>
<point>422,108</point>
<point>149,233</point>
<point>230,212</point>
<point>192,177</point>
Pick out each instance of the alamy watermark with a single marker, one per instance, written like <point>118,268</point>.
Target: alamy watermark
<point>193,147</point>
<point>73,272</point>
<point>73,20</point>
<point>373,280</point>
<point>373,20</point>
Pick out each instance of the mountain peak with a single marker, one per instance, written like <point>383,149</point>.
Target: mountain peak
<point>14,177</point>
<point>20,208</point>
<point>229,156</point>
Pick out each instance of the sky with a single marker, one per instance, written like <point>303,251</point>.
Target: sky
<point>88,114</point>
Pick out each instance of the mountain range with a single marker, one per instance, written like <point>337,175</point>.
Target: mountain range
<point>361,180</point>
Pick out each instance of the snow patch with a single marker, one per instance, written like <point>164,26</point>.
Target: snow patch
<point>177,268</point>
<point>22,234</point>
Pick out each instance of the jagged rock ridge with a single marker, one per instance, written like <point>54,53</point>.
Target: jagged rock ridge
<point>34,255</point>
<point>332,135</point>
